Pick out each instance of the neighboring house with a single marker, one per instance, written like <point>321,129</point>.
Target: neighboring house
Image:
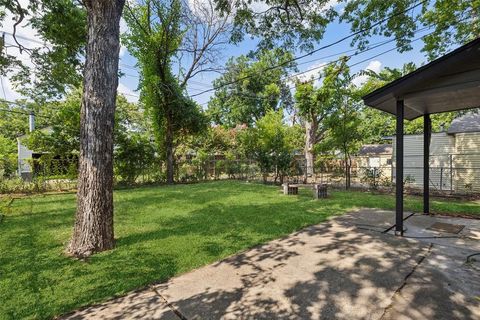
<point>454,156</point>
<point>377,157</point>
<point>25,155</point>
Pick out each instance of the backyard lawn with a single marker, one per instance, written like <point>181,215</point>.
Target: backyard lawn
<point>160,231</point>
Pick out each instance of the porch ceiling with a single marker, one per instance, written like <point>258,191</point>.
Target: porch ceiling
<point>449,83</point>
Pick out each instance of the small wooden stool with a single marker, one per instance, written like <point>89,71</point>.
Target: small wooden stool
<point>290,189</point>
<point>320,191</point>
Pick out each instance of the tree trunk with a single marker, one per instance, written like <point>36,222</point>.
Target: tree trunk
<point>310,140</point>
<point>93,230</point>
<point>169,151</point>
<point>348,166</point>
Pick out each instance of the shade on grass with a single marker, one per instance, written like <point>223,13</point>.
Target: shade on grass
<point>160,231</point>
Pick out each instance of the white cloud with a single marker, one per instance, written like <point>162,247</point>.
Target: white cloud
<point>374,66</point>
<point>130,95</point>
<point>123,50</point>
<point>10,93</point>
<point>312,72</point>
<point>259,7</point>
<point>123,26</point>
<point>123,29</point>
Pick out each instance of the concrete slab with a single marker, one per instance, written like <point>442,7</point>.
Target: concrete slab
<point>328,271</point>
<point>345,268</point>
<point>442,287</point>
<point>469,238</point>
<point>144,304</point>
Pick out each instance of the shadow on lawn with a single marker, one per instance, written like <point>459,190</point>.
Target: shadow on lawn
<point>219,229</point>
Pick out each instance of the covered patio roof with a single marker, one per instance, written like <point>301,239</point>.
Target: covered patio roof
<point>449,83</point>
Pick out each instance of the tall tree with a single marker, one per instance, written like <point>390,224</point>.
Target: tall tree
<point>344,123</point>
<point>93,231</point>
<point>250,87</point>
<point>157,38</point>
<point>301,24</point>
<point>315,105</point>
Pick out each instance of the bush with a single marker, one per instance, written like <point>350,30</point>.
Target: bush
<point>372,177</point>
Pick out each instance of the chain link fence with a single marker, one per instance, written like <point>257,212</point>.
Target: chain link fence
<point>449,174</point>
<point>453,174</point>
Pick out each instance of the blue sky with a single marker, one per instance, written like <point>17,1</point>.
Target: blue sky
<point>128,83</point>
<point>335,31</point>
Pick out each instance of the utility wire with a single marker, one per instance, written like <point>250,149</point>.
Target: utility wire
<point>351,35</point>
<point>20,112</point>
<point>315,50</point>
<point>312,52</point>
<point>24,113</point>
<point>318,49</point>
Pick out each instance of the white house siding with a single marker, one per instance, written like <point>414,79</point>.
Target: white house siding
<point>24,156</point>
<point>379,161</point>
<point>466,160</point>
<point>454,161</point>
<point>442,146</point>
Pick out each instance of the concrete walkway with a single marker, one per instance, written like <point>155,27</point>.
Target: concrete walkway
<point>345,268</point>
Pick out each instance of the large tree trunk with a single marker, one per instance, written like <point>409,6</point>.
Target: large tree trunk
<point>310,140</point>
<point>93,231</point>
<point>169,152</point>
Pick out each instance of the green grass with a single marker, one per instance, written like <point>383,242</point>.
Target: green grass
<point>160,231</point>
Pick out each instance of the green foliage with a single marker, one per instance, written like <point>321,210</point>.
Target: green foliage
<point>62,136</point>
<point>12,125</point>
<point>293,24</point>
<point>269,144</point>
<point>376,125</point>
<point>154,37</point>
<point>133,151</point>
<point>8,157</point>
<point>61,24</point>
<point>453,22</point>
<point>134,155</point>
<point>316,105</point>
<point>250,88</point>
<point>372,177</point>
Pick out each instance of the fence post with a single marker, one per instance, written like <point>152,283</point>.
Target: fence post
<point>441,178</point>
<point>451,172</point>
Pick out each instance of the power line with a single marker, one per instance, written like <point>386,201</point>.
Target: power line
<point>20,112</point>
<point>211,88</point>
<point>381,53</point>
<point>314,51</point>
<point>318,49</point>
<point>290,60</point>
<point>352,55</point>
<point>24,38</point>
<point>24,113</point>
<point>352,65</point>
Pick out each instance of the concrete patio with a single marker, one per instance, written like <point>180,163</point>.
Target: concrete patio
<point>346,268</point>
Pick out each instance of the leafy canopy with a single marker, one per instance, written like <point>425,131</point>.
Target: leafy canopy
<point>250,88</point>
